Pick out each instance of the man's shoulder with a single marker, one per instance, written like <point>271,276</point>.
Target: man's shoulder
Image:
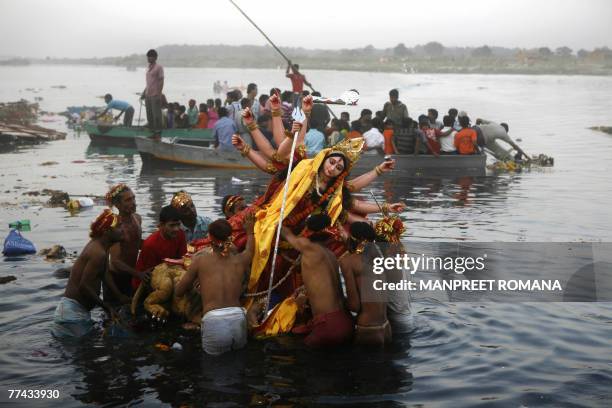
<point>151,239</point>
<point>93,251</point>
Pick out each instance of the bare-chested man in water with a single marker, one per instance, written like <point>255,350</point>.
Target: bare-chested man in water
<point>72,316</point>
<point>372,326</point>
<point>331,323</point>
<point>123,255</point>
<point>221,274</point>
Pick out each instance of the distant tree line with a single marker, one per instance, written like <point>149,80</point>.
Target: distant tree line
<point>430,57</point>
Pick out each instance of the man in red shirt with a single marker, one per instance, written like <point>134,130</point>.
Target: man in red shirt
<point>466,140</point>
<point>430,136</point>
<point>297,82</point>
<point>167,242</point>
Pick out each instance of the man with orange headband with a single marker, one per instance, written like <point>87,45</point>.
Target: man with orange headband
<point>72,316</point>
<point>123,255</point>
<point>232,204</point>
<point>194,226</point>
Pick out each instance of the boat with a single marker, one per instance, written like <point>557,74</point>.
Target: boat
<point>126,135</point>
<point>174,153</point>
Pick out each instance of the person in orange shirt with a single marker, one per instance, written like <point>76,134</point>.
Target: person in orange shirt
<point>466,140</point>
<point>355,130</point>
<point>202,117</point>
<point>388,135</point>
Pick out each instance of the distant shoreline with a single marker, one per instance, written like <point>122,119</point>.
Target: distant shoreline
<point>462,70</point>
<point>430,58</point>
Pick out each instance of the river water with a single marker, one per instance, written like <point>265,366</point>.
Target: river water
<point>459,353</point>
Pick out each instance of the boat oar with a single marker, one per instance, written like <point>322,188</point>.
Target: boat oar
<point>139,111</point>
<point>277,50</point>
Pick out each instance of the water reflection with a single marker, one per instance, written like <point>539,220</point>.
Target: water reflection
<point>95,150</point>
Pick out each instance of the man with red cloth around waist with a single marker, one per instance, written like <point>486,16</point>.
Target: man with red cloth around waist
<point>331,324</point>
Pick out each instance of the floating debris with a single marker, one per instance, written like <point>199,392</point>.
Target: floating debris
<point>21,112</point>
<point>517,166</point>
<point>48,163</point>
<point>7,279</point>
<point>605,129</point>
<point>55,252</point>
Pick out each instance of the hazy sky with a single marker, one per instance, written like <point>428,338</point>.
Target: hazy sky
<point>71,28</point>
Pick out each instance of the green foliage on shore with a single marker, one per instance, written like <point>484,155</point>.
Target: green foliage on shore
<point>432,57</point>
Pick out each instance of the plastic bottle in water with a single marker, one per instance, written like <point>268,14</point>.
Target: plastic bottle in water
<point>21,225</point>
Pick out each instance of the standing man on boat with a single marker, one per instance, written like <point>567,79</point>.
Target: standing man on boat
<point>297,82</point>
<point>395,110</point>
<point>252,96</point>
<point>152,93</point>
<point>122,106</point>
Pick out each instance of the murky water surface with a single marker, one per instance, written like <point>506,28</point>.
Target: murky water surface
<point>459,354</point>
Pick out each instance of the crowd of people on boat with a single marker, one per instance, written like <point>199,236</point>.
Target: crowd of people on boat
<point>389,131</point>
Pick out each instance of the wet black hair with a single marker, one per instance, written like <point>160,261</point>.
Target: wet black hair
<point>394,92</point>
<point>169,214</point>
<point>318,222</point>
<point>251,86</point>
<point>220,229</point>
<point>453,112</point>
<point>362,231</point>
<point>108,96</point>
<point>203,107</point>
<point>505,126</point>
<point>152,53</point>
<point>433,111</point>
<point>222,112</point>
<point>464,121</point>
<point>356,125</point>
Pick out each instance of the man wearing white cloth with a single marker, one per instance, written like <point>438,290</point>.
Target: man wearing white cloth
<point>221,274</point>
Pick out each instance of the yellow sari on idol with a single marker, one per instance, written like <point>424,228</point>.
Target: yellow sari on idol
<point>282,317</point>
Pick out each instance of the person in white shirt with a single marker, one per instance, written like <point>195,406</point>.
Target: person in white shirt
<point>373,136</point>
<point>447,143</point>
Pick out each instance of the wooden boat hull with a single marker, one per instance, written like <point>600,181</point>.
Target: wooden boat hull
<point>176,154</point>
<point>163,152</point>
<point>125,136</point>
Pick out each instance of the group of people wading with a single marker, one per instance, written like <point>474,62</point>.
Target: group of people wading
<point>325,239</point>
